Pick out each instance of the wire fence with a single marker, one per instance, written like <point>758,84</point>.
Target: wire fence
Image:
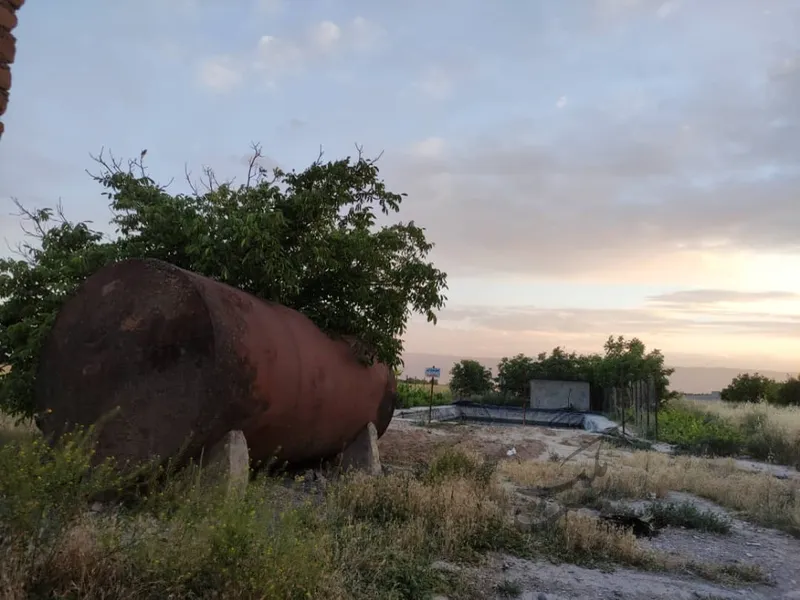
<point>634,407</point>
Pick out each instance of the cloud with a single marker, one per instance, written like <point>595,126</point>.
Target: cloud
<point>697,297</point>
<point>666,9</point>
<point>435,84</point>
<point>326,35</point>
<point>645,322</point>
<point>220,73</point>
<point>677,177</point>
<point>269,7</point>
<point>366,34</point>
<point>561,102</point>
<point>616,9</point>
<point>275,57</point>
<point>429,148</point>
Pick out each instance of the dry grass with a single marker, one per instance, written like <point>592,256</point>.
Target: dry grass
<point>374,538</point>
<point>366,538</point>
<point>785,418</point>
<point>764,432</point>
<point>760,497</point>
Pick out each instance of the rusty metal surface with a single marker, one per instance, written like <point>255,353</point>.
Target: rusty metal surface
<point>8,49</point>
<point>186,357</point>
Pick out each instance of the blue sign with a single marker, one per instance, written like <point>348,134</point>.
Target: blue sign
<point>433,372</point>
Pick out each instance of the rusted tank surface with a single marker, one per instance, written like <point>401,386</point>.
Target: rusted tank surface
<point>185,357</point>
<point>8,49</point>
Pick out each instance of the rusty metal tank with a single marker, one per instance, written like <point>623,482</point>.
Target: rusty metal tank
<point>8,49</point>
<point>184,357</point>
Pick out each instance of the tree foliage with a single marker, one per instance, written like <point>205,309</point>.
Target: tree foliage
<point>622,362</point>
<point>747,387</point>
<point>514,374</point>
<point>470,378</point>
<point>788,392</point>
<point>309,240</point>
<point>758,388</point>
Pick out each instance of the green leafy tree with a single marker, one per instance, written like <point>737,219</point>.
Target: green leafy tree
<point>561,365</point>
<point>787,393</point>
<point>308,240</point>
<point>624,361</point>
<point>750,388</point>
<point>627,360</point>
<point>470,378</point>
<point>514,375</point>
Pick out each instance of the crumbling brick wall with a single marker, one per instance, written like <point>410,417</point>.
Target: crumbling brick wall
<point>8,49</point>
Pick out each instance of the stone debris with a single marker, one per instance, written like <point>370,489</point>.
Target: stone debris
<point>362,454</point>
<point>229,460</point>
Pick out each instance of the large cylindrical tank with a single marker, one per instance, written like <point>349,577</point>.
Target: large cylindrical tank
<point>187,359</point>
<point>8,49</point>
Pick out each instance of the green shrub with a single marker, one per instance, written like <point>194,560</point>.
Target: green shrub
<point>768,441</point>
<point>687,515</point>
<point>410,395</point>
<point>184,540</point>
<point>452,463</point>
<point>696,432</point>
<point>500,399</point>
<point>367,537</point>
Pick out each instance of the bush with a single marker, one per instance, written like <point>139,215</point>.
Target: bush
<point>182,541</point>
<point>687,515</point>
<point>696,432</point>
<point>374,538</point>
<point>751,388</point>
<point>769,441</point>
<point>469,378</point>
<point>451,463</point>
<point>500,399</point>
<point>410,395</point>
<point>788,393</point>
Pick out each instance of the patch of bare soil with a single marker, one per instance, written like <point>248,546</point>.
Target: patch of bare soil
<point>405,443</point>
<point>542,580</point>
<point>776,553</point>
<point>409,444</point>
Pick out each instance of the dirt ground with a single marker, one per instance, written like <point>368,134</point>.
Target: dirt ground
<point>777,553</point>
<point>406,443</point>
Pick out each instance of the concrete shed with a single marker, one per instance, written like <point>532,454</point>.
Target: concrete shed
<point>551,394</point>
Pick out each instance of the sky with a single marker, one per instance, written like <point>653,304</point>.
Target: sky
<point>585,168</point>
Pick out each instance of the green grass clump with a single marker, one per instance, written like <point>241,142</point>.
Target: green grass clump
<point>768,441</point>
<point>410,395</point>
<point>687,515</point>
<point>695,432</point>
<point>188,537</point>
<point>509,589</point>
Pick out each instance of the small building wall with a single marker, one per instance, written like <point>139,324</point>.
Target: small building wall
<point>560,394</point>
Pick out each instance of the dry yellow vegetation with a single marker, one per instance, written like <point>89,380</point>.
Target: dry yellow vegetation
<point>363,538</point>
<point>759,496</point>
<point>783,418</point>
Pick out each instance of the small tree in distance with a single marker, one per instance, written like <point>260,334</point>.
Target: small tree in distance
<point>754,388</point>
<point>470,378</point>
<point>788,392</point>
